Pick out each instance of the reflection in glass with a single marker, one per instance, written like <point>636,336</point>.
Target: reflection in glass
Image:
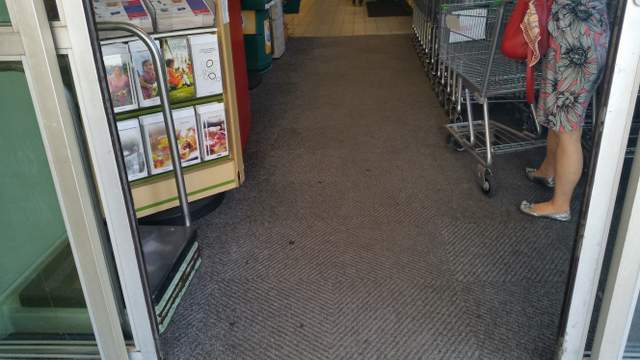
<point>4,14</point>
<point>52,10</point>
<point>40,294</point>
<point>50,7</point>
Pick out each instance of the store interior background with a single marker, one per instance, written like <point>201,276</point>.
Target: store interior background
<point>358,233</point>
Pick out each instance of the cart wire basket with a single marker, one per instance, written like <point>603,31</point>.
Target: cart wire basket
<point>475,71</point>
<point>424,28</point>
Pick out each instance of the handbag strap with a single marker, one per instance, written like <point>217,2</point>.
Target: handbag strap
<point>530,82</point>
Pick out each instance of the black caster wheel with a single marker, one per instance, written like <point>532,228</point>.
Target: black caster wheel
<point>487,181</point>
<point>451,110</point>
<point>446,100</point>
<point>455,117</point>
<point>454,144</point>
<point>442,94</point>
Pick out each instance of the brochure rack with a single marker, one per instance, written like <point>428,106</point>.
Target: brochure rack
<point>155,193</point>
<point>171,254</point>
<point>165,249</point>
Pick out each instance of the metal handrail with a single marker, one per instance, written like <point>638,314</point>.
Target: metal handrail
<point>161,72</point>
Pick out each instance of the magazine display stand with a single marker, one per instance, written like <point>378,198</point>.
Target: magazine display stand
<point>171,254</point>
<point>165,248</point>
<point>156,192</point>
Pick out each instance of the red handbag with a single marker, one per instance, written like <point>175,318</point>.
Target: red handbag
<point>519,43</point>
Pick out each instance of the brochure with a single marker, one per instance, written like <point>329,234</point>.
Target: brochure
<point>117,62</point>
<point>187,135</point>
<point>144,74</point>
<point>157,143</point>
<point>133,12</point>
<point>206,64</point>
<point>132,149</point>
<point>182,14</point>
<point>179,68</point>
<point>213,130</point>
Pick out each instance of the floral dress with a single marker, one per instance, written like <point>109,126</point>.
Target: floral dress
<point>579,38</point>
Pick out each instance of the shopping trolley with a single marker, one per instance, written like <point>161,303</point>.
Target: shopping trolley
<point>423,31</point>
<point>419,28</point>
<point>475,71</point>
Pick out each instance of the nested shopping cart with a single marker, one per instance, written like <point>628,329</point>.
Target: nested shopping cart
<point>473,70</point>
<point>424,25</point>
<point>419,27</point>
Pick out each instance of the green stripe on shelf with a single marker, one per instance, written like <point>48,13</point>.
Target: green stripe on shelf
<point>154,109</point>
<point>187,169</point>
<point>195,192</point>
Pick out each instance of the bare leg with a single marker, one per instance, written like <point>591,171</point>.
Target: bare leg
<point>568,170</point>
<point>548,167</point>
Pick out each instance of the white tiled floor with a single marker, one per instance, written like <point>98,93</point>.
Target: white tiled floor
<point>341,18</point>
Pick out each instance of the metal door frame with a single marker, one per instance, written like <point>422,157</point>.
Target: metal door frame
<point>614,127</point>
<point>30,40</point>
<point>113,189</point>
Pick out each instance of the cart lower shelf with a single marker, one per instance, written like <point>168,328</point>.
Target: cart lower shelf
<point>504,139</point>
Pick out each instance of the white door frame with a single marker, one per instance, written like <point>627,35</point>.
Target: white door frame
<point>623,282</point>
<point>74,33</point>
<point>593,233</point>
<point>37,52</point>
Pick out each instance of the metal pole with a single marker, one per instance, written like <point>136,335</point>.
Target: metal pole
<point>494,48</point>
<point>161,72</point>
<point>459,97</point>
<point>472,136</point>
<point>487,131</point>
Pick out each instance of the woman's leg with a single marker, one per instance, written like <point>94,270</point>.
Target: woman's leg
<point>548,167</point>
<point>568,170</point>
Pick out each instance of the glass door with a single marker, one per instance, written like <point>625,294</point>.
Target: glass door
<point>41,298</point>
<point>57,297</point>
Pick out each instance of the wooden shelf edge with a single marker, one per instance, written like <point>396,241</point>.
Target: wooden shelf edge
<point>158,195</point>
<point>186,169</point>
<point>126,115</point>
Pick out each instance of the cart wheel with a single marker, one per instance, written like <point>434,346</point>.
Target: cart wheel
<point>454,144</point>
<point>454,115</point>
<point>487,181</point>
<point>443,96</point>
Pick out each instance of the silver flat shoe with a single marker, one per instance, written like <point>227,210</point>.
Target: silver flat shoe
<point>549,182</point>
<point>527,208</point>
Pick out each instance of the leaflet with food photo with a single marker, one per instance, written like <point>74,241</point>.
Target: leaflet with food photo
<point>213,130</point>
<point>187,135</point>
<point>157,143</point>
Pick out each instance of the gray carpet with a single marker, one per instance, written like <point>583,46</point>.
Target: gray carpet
<point>359,235</point>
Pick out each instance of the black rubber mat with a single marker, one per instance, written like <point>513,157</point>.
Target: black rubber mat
<point>384,8</point>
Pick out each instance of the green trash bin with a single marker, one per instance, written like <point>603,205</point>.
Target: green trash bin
<point>257,39</point>
<point>291,6</point>
<point>254,4</point>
